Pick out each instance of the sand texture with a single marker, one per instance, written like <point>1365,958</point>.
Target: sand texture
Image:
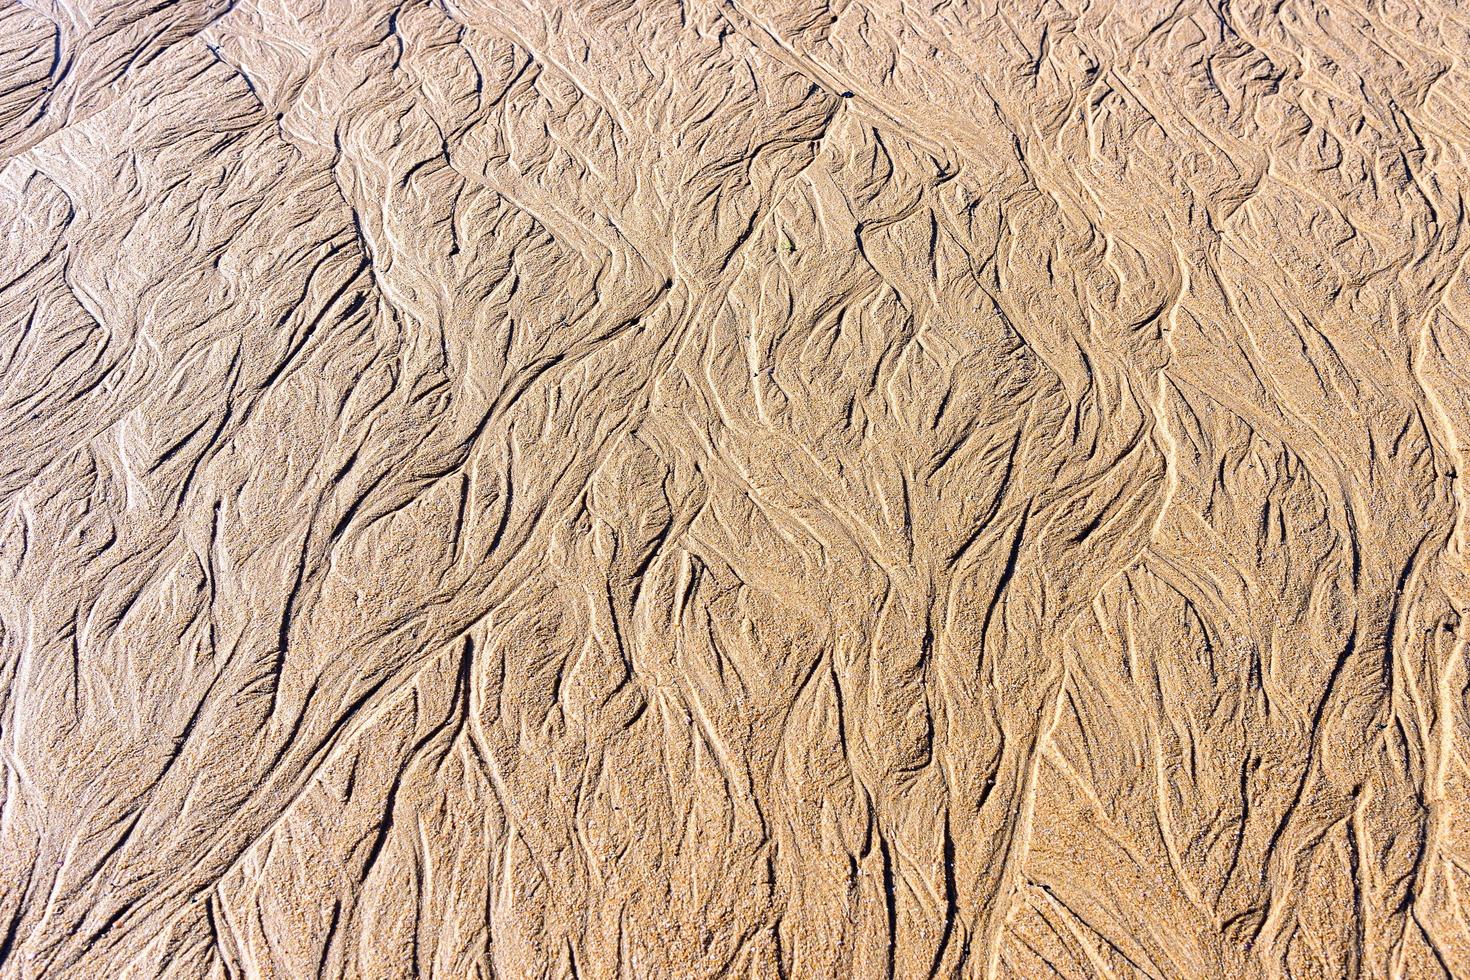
<point>734,488</point>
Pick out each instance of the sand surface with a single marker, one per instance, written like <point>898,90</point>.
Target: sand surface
<point>734,488</point>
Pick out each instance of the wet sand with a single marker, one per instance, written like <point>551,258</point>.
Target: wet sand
<point>850,489</point>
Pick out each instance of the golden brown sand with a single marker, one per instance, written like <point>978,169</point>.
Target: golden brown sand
<point>734,488</point>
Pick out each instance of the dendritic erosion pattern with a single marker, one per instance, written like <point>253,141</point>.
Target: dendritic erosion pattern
<point>734,488</point>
